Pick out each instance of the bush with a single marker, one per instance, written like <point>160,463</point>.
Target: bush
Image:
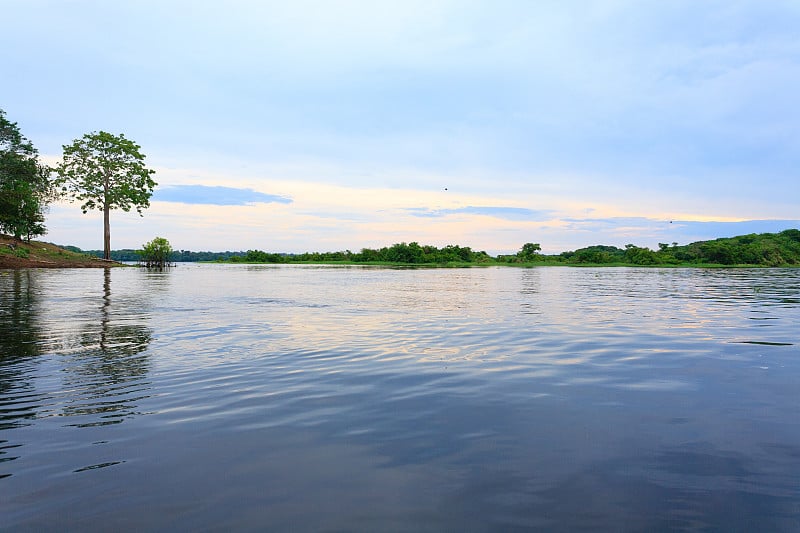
<point>156,253</point>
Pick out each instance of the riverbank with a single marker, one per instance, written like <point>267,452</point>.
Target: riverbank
<point>35,254</point>
<point>494,263</point>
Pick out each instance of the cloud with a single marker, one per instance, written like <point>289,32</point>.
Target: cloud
<point>508,213</point>
<point>650,231</point>
<point>717,227</point>
<point>202,194</point>
<point>733,229</point>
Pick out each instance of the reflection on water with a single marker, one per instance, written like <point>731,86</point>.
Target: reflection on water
<point>18,336</point>
<point>18,342</point>
<point>315,398</point>
<point>71,354</point>
<point>107,366</point>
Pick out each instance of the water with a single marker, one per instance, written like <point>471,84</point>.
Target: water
<point>219,397</point>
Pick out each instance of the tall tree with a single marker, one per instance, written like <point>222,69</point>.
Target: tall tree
<point>106,172</point>
<point>25,185</point>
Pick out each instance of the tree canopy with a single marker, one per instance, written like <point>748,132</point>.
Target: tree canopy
<point>766,249</point>
<point>156,253</point>
<point>105,172</point>
<point>763,249</point>
<point>25,185</point>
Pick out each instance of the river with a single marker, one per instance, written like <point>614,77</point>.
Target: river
<point>319,398</point>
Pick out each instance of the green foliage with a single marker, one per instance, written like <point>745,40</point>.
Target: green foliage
<point>189,256</point>
<point>25,185</point>
<point>405,253</point>
<point>790,235</point>
<point>127,254</point>
<point>765,249</point>
<point>599,254</point>
<point>768,249</point>
<point>105,172</point>
<point>22,252</point>
<point>257,256</point>
<point>640,256</point>
<point>156,253</point>
<point>414,254</point>
<point>529,252</point>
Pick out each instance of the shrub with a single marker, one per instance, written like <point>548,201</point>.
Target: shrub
<point>156,253</point>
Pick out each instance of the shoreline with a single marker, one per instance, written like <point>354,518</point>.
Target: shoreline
<point>16,254</point>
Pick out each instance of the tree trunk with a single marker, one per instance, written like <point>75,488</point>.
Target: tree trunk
<point>106,233</point>
<point>106,221</point>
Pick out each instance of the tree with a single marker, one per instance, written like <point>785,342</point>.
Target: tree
<point>597,254</point>
<point>156,253</point>
<point>106,172</point>
<point>640,256</point>
<point>529,251</point>
<point>25,185</point>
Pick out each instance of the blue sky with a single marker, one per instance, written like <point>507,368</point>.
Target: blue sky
<point>327,125</point>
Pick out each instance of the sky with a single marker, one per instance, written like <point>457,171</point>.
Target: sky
<point>295,126</point>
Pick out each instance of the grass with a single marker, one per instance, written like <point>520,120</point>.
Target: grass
<point>21,254</point>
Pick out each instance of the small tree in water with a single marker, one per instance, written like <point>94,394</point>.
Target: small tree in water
<point>156,253</point>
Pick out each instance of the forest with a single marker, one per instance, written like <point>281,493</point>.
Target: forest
<point>764,249</point>
<point>177,256</point>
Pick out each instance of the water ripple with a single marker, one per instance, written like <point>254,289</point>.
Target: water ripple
<point>486,399</point>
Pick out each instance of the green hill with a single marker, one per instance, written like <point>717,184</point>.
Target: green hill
<point>764,249</point>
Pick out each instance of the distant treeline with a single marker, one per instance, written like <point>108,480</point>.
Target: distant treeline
<point>176,256</point>
<point>411,253</point>
<point>765,249</point>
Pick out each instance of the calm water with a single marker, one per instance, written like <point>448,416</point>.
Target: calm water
<point>337,399</point>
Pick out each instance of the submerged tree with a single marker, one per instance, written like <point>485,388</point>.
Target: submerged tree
<point>156,253</point>
<point>106,172</point>
<point>25,185</point>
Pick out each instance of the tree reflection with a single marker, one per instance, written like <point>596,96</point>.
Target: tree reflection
<point>109,371</point>
<point>19,341</point>
<point>19,344</point>
<point>18,334</point>
<point>529,289</point>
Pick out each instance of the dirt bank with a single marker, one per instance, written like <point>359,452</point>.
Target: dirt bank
<point>20,254</point>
